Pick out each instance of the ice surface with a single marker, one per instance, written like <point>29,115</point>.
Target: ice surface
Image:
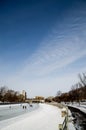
<point>46,117</point>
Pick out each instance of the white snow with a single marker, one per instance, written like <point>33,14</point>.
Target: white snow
<point>71,126</point>
<point>70,122</point>
<point>46,117</point>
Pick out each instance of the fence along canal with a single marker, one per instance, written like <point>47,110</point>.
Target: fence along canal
<point>63,124</point>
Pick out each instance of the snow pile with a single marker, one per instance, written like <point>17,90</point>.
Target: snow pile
<point>70,121</point>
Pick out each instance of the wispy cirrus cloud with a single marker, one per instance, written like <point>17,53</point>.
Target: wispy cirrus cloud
<point>64,46</point>
<point>55,55</point>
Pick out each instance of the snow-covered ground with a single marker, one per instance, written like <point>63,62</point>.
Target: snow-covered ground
<point>46,117</point>
<point>70,121</point>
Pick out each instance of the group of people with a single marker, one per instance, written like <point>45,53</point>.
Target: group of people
<point>24,107</point>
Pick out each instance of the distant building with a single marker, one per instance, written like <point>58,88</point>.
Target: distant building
<point>37,99</point>
<point>24,94</point>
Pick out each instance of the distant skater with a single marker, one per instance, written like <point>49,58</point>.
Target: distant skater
<point>23,107</point>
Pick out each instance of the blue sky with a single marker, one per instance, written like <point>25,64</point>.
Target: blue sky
<point>42,45</point>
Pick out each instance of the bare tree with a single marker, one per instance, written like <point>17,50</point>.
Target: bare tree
<point>82,79</point>
<point>3,90</point>
<point>58,93</point>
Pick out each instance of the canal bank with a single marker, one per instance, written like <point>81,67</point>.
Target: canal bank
<point>67,123</point>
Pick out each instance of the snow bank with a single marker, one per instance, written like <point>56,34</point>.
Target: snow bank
<point>70,121</point>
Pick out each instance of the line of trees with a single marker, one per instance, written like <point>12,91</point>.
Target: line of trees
<point>8,95</point>
<point>77,92</point>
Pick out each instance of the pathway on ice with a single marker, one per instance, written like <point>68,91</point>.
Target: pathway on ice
<point>46,117</point>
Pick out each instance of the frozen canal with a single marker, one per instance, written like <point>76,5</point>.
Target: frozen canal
<point>9,111</point>
<point>46,117</point>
